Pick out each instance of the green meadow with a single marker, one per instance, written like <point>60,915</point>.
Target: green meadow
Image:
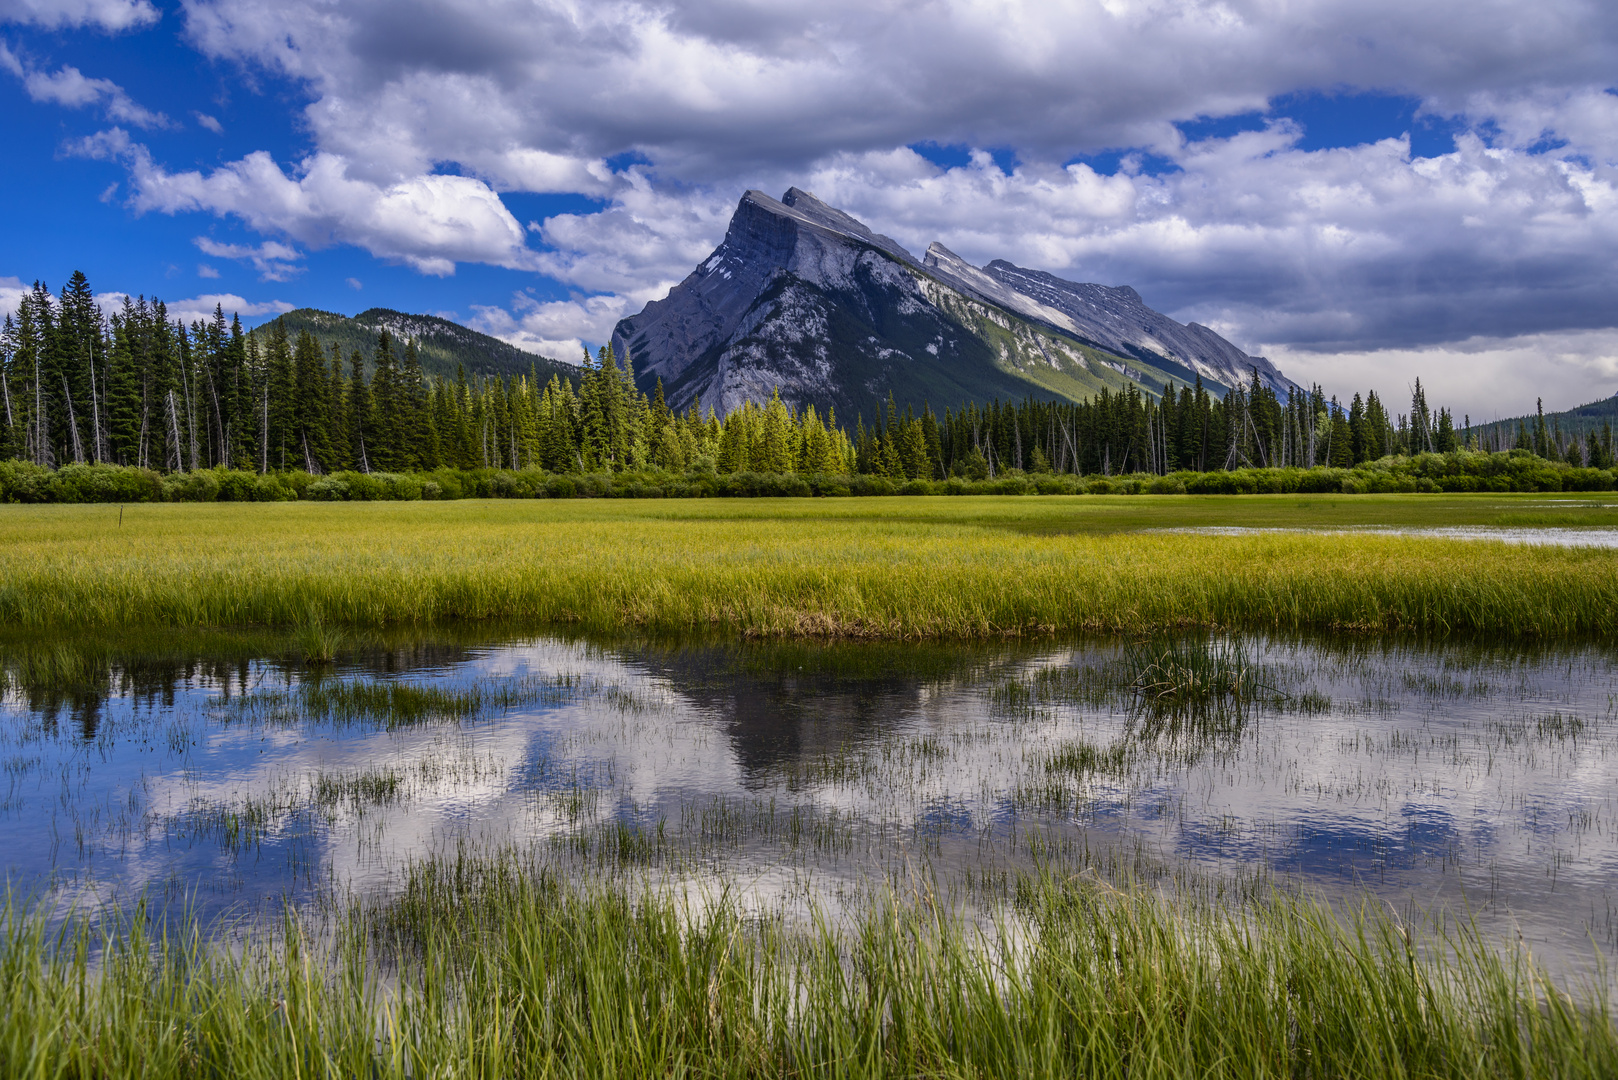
<point>878,568</point>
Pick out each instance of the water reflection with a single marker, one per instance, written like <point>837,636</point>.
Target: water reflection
<point>1548,536</point>
<point>227,772</point>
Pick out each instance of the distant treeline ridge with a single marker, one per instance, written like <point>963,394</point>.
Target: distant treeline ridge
<point>139,390</point>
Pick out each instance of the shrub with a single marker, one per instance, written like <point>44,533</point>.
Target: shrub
<point>1060,485</point>
<point>22,481</point>
<point>1584,479</point>
<point>103,483</point>
<point>328,489</point>
<point>364,487</point>
<point>201,486</point>
<point>871,485</point>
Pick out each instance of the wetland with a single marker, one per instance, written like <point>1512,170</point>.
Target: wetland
<point>404,779</point>
<point>874,801</point>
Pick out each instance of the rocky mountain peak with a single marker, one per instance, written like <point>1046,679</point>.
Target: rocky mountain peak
<point>805,299</point>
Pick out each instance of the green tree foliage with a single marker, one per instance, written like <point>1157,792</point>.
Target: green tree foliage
<point>142,389</point>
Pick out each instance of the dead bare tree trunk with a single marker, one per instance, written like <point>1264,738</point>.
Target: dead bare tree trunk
<point>73,425</point>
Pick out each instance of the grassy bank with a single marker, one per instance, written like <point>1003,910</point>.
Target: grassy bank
<point>482,971</point>
<point>879,568</point>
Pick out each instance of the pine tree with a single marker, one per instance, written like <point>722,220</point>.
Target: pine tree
<point>311,406</point>
<point>360,412</point>
<point>385,431</point>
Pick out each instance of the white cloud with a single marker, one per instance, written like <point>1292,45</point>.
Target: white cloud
<point>428,222</point>
<point>556,328</point>
<point>638,247</point>
<point>109,145</point>
<point>206,271</point>
<point>354,283</point>
<point>1350,248</point>
<point>1486,377</point>
<point>71,88</point>
<point>209,122</point>
<point>12,291</point>
<point>201,308</point>
<point>112,15</point>
<point>273,261</point>
<point>708,88</point>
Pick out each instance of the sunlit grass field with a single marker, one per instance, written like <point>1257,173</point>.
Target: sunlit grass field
<point>893,567</point>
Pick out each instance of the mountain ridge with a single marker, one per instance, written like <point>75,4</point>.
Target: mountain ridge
<point>443,345</point>
<point>804,299</point>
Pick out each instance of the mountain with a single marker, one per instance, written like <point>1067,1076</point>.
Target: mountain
<point>804,298</point>
<point>442,345</point>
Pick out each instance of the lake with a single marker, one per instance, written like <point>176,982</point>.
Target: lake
<point>1469,777</point>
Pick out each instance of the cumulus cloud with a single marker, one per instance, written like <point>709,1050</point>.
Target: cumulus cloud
<point>1488,378</point>
<point>428,222</point>
<point>11,293</point>
<point>71,88</point>
<point>556,328</point>
<point>111,15</point>
<point>273,261</point>
<point>201,308</point>
<point>1356,252</point>
<point>209,122</point>
<point>704,87</point>
<point>1343,248</point>
<point>638,247</point>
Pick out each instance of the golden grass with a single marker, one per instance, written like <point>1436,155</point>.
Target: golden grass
<point>891,568</point>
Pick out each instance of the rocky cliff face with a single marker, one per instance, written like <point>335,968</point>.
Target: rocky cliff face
<point>803,299</point>
<point>1116,319</point>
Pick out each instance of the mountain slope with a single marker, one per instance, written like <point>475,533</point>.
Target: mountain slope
<point>803,298</point>
<point>1118,320</point>
<point>1580,421</point>
<point>442,345</point>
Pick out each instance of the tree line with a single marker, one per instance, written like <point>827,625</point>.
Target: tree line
<point>142,389</point>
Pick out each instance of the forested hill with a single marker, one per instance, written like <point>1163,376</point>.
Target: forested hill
<point>1572,423</point>
<point>441,344</point>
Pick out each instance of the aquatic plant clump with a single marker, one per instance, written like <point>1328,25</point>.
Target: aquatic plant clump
<point>1174,672</point>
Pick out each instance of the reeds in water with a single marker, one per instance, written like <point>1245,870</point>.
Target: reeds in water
<point>481,969</point>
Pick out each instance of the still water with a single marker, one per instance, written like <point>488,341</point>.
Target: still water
<point>1466,777</point>
<point>1534,537</point>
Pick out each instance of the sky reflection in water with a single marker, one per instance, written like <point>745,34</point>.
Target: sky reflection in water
<point>1478,777</point>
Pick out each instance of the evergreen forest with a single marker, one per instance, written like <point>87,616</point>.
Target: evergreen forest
<point>140,389</point>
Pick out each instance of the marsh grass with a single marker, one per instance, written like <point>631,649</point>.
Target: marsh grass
<point>379,786</point>
<point>1190,671</point>
<point>484,968</point>
<point>1081,759</point>
<point>870,569</point>
<point>318,643</point>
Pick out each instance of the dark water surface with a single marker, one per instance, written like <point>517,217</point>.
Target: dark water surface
<point>228,774</point>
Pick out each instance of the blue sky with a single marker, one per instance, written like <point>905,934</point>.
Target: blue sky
<point>1360,190</point>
